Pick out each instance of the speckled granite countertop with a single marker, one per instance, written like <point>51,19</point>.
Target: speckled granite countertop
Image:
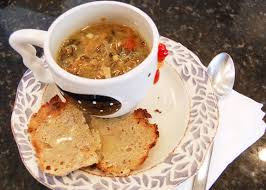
<point>206,27</point>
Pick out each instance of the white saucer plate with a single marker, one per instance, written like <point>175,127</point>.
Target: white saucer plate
<point>187,125</point>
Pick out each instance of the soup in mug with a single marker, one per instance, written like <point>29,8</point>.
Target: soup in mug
<point>102,50</point>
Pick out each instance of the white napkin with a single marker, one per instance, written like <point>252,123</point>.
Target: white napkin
<point>240,126</point>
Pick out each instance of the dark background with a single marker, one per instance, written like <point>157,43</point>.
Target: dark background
<point>205,27</point>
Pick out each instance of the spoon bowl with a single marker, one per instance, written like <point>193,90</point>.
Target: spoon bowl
<point>221,71</point>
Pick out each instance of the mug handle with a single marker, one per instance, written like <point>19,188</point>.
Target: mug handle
<point>22,41</point>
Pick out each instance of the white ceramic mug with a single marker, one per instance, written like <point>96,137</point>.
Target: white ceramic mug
<point>127,89</point>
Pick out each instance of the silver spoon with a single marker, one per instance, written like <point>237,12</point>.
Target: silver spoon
<point>221,71</point>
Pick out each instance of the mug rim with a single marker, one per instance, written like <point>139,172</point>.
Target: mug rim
<point>78,79</point>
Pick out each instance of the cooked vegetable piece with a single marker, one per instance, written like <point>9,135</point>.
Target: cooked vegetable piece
<point>129,44</point>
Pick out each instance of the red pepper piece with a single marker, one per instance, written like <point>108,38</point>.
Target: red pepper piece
<point>162,52</point>
<point>129,44</point>
<point>157,76</point>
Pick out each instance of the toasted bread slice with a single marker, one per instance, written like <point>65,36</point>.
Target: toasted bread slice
<point>62,139</point>
<point>126,142</point>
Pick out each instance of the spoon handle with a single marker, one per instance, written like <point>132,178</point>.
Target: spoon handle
<point>200,179</point>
